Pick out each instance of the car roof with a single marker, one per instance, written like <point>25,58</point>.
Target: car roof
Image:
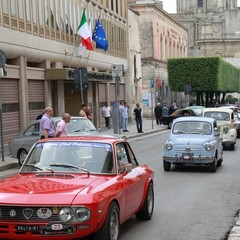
<point>228,110</point>
<point>194,119</point>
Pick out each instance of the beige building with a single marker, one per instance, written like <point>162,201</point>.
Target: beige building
<point>38,37</point>
<point>162,37</point>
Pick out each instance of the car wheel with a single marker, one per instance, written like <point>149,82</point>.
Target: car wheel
<point>232,147</point>
<point>22,156</point>
<point>166,166</point>
<point>146,211</point>
<point>212,166</point>
<point>219,162</point>
<point>170,125</point>
<point>111,227</point>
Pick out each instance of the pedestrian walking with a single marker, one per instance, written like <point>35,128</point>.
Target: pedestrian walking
<point>138,117</point>
<point>165,111</point>
<point>61,130</point>
<point>107,114</point>
<point>124,117</point>
<point>47,129</point>
<point>158,114</point>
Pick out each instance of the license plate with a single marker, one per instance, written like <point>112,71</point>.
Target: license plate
<point>187,156</point>
<point>27,228</point>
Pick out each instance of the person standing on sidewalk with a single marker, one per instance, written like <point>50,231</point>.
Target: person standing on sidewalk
<point>124,117</point>
<point>158,114</point>
<point>107,113</point>
<point>61,130</point>
<point>46,126</point>
<point>138,117</point>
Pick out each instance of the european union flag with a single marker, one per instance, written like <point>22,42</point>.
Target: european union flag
<point>99,36</point>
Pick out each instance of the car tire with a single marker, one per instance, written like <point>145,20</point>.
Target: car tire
<point>111,227</point>
<point>212,166</point>
<point>232,147</point>
<point>22,156</point>
<point>146,211</point>
<point>166,166</point>
<point>219,162</point>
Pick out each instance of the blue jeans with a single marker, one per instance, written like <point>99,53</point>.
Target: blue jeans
<point>124,122</point>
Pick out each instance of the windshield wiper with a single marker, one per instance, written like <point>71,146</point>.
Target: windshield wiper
<point>66,165</point>
<point>38,168</point>
<point>81,130</point>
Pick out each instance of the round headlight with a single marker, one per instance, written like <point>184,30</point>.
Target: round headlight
<point>82,214</point>
<point>208,147</point>
<point>169,146</point>
<point>66,214</point>
<point>225,129</point>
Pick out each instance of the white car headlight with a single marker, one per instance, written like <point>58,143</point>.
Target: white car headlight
<point>208,147</point>
<point>66,214</point>
<point>82,214</point>
<point>169,146</point>
<point>225,129</point>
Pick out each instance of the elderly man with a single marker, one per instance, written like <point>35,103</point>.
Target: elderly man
<point>47,129</point>
<point>61,130</point>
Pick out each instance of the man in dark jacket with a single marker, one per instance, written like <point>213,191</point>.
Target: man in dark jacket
<point>158,114</point>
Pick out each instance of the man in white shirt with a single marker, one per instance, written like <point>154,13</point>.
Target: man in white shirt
<point>61,130</point>
<point>107,113</point>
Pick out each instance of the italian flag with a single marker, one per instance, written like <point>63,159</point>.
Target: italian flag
<point>84,32</point>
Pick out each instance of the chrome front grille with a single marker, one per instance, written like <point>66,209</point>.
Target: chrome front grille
<point>19,213</point>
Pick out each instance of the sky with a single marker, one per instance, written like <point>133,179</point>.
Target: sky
<point>169,6</point>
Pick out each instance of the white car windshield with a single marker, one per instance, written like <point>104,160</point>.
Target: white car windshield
<point>219,116</point>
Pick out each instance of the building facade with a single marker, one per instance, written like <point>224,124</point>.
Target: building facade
<point>162,37</point>
<point>213,27</point>
<point>39,37</point>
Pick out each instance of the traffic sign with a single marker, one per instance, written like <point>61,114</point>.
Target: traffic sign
<point>117,70</point>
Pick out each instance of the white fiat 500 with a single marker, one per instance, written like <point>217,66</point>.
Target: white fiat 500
<point>225,124</point>
<point>193,140</point>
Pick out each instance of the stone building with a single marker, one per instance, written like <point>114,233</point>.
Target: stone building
<point>212,26</point>
<point>40,41</point>
<point>161,37</point>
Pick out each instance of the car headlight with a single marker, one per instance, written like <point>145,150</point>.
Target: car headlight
<point>82,214</point>
<point>208,147</point>
<point>225,129</point>
<point>169,146</point>
<point>66,214</point>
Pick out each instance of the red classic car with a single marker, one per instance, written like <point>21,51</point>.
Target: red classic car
<point>72,187</point>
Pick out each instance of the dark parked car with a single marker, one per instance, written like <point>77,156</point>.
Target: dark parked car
<point>168,120</point>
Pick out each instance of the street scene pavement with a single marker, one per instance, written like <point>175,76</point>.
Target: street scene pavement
<point>149,127</point>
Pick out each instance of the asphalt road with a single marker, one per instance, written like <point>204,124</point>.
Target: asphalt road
<point>190,202</point>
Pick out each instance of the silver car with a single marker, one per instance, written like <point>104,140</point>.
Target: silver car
<point>22,143</point>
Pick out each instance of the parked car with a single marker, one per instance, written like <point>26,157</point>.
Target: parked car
<point>225,124</point>
<point>21,144</point>
<point>73,187</point>
<point>193,140</point>
<point>168,120</point>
